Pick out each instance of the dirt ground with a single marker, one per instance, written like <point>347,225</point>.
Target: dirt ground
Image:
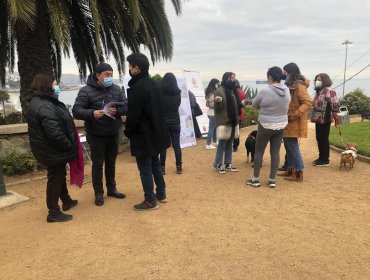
<point>213,227</point>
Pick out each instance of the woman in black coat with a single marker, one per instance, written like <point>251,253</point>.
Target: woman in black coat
<point>172,101</point>
<point>54,142</point>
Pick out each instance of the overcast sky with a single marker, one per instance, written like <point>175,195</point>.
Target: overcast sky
<point>247,37</point>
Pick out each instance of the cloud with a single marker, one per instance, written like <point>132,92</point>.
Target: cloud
<point>247,37</point>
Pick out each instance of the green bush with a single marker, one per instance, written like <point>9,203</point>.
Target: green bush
<point>356,101</point>
<point>250,116</point>
<point>14,118</point>
<point>14,164</point>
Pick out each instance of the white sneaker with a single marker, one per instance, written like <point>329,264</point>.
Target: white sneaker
<point>210,147</point>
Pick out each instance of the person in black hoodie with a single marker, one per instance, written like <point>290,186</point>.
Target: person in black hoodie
<point>172,101</point>
<point>146,129</point>
<point>102,128</point>
<point>53,140</point>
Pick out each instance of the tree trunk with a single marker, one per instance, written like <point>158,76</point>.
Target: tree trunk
<point>33,53</point>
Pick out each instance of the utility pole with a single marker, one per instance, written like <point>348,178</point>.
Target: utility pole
<point>346,42</point>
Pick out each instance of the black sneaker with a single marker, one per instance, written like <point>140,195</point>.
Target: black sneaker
<point>179,169</point>
<point>231,168</point>
<point>163,169</point>
<point>99,200</point>
<point>316,161</point>
<point>59,218</point>
<point>69,204</point>
<point>321,163</point>
<point>221,169</point>
<point>146,205</point>
<point>271,183</point>
<point>253,183</point>
<point>161,198</point>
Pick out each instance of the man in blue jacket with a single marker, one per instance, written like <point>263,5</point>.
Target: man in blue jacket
<point>102,126</point>
<point>146,129</point>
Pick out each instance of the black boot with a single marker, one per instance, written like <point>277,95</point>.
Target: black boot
<point>116,194</point>
<point>68,205</point>
<point>99,200</point>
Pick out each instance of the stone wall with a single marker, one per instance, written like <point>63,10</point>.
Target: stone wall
<point>14,138</point>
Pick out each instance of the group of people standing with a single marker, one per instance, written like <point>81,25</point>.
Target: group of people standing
<point>153,123</point>
<point>283,116</point>
<point>101,104</point>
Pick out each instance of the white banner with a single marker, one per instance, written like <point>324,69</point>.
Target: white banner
<point>187,135</point>
<point>194,84</point>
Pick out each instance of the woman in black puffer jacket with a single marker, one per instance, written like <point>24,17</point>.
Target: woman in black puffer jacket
<point>53,140</point>
<point>172,101</point>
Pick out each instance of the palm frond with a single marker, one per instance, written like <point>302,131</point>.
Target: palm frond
<point>7,42</point>
<point>23,11</point>
<point>178,6</point>
<point>59,19</point>
<point>97,22</point>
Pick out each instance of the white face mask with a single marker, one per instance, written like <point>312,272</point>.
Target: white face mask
<point>318,84</point>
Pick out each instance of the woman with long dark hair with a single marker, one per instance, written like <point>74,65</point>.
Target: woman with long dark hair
<point>325,110</point>
<point>297,121</point>
<point>227,106</point>
<point>210,103</point>
<point>172,101</point>
<point>54,142</point>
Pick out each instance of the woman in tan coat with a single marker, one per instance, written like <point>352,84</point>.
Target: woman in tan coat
<point>297,121</point>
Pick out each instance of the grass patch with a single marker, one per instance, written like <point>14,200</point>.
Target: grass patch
<point>358,132</point>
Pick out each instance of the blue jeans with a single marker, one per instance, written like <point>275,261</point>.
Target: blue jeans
<point>149,168</point>
<point>175,139</point>
<point>211,130</point>
<point>293,154</point>
<point>224,147</point>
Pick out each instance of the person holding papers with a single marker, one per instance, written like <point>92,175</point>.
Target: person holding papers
<point>101,104</point>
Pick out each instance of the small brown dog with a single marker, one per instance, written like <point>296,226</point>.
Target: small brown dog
<point>349,156</point>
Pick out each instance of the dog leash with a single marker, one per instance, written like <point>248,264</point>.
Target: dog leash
<point>340,134</point>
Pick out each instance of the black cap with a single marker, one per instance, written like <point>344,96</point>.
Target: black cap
<point>101,67</point>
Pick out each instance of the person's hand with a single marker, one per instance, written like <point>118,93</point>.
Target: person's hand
<point>98,114</point>
<point>246,102</point>
<point>218,99</point>
<point>293,116</point>
<point>112,111</point>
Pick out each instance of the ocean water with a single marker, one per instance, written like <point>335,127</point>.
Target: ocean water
<point>68,97</point>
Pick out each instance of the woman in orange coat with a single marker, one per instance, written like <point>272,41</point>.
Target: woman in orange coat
<point>297,121</point>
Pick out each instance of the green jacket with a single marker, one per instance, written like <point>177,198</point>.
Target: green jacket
<point>221,108</point>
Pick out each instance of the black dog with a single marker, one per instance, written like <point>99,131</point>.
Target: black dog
<point>250,144</point>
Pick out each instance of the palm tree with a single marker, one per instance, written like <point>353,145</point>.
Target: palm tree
<point>4,96</point>
<point>41,31</point>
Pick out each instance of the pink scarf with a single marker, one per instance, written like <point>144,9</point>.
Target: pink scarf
<point>77,166</point>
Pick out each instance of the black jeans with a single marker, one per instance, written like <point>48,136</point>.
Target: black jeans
<point>56,188</point>
<point>175,140</point>
<point>103,149</point>
<point>149,168</point>
<point>322,138</point>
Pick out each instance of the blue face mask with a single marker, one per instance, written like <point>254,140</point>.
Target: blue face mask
<point>108,81</point>
<point>56,90</point>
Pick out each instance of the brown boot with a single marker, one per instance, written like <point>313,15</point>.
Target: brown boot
<point>286,173</point>
<point>296,176</point>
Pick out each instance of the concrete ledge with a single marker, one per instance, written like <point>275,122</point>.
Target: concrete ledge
<point>11,198</point>
<point>359,157</point>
